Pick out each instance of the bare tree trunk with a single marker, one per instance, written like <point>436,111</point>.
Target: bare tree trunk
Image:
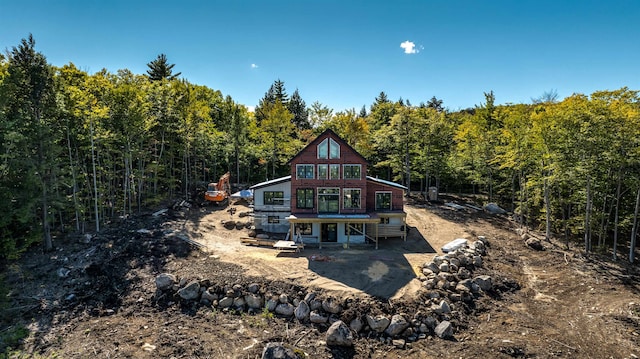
<point>634,231</point>
<point>547,209</point>
<point>616,218</point>
<point>95,180</point>
<point>587,218</point>
<point>75,183</point>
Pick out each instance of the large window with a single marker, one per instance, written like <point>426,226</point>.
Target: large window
<point>354,229</point>
<point>328,148</point>
<point>323,172</point>
<point>304,197</point>
<point>304,171</point>
<point>383,201</point>
<point>351,171</point>
<point>273,219</point>
<point>273,197</point>
<point>351,198</point>
<point>328,200</point>
<point>304,229</point>
<point>334,172</point>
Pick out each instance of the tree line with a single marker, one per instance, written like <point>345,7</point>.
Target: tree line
<point>78,150</point>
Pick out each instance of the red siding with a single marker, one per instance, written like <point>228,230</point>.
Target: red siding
<point>397,195</point>
<point>347,156</point>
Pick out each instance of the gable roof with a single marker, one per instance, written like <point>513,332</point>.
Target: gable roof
<point>271,182</point>
<point>317,140</point>
<point>386,183</point>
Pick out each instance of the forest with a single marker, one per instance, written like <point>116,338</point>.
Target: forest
<point>78,150</point>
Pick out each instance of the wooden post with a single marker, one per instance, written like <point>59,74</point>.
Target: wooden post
<point>320,237</point>
<point>377,239</point>
<point>348,234</point>
<point>292,232</point>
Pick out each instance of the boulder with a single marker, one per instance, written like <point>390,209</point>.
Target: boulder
<point>283,298</point>
<point>378,324</point>
<point>444,330</point>
<point>207,295</point>
<point>433,267</point>
<point>485,282</point>
<point>443,308</point>
<point>397,325</point>
<point>356,325</point>
<point>331,305</point>
<point>315,304</point>
<point>339,334</point>
<point>285,309</point>
<point>254,287</point>
<point>191,291</point>
<point>238,302</point>
<point>534,243</point>
<point>399,343</point>
<point>318,318</point>
<point>252,233</point>
<point>302,311</point>
<point>494,209</point>
<point>254,301</point>
<point>165,281</point>
<point>229,224</point>
<point>477,261</point>
<point>271,304</point>
<point>444,267</point>
<point>225,302</point>
<point>278,351</point>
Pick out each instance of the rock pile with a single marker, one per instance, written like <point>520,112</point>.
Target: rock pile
<point>448,282</point>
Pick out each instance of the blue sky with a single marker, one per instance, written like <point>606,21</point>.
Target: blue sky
<point>343,53</point>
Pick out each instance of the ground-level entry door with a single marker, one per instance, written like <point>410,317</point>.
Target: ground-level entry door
<point>329,232</point>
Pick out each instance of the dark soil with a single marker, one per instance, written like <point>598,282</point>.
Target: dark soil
<point>97,298</point>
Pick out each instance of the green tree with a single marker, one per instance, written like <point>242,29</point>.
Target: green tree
<point>298,108</point>
<point>27,107</point>
<point>160,69</point>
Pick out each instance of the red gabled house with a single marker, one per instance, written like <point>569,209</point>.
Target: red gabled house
<point>331,198</point>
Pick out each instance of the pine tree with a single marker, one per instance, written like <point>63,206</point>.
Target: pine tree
<point>27,106</point>
<point>160,69</point>
<point>363,112</point>
<point>298,108</point>
<point>435,104</point>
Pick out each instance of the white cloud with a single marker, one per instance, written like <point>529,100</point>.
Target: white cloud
<point>410,47</point>
<point>251,108</point>
<point>254,66</point>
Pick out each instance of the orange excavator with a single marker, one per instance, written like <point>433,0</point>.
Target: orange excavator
<point>218,193</point>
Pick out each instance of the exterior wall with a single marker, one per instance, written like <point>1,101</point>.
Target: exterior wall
<point>266,213</point>
<point>397,196</point>
<point>347,156</point>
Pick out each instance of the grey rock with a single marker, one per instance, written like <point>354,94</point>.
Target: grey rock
<point>443,308</point>
<point>423,328</point>
<point>494,209</point>
<point>378,324</point>
<point>271,304</point>
<point>331,305</point>
<point>209,296</point>
<point>430,322</point>
<point>433,267</point>
<point>397,325</point>
<point>285,309</point>
<point>165,281</point>
<point>339,334</point>
<point>485,282</point>
<point>444,267</point>
<point>191,291</point>
<point>238,302</point>
<point>477,261</point>
<point>463,273</point>
<point>302,311</point>
<point>225,302</point>
<point>64,272</point>
<point>283,298</point>
<point>356,325</point>
<point>315,304</point>
<point>278,351</point>
<point>254,288</point>
<point>309,297</point>
<point>444,330</point>
<point>254,301</point>
<point>398,343</point>
<point>317,317</point>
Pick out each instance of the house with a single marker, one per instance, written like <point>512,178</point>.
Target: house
<point>328,198</point>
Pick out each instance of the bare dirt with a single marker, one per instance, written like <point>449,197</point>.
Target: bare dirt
<point>556,303</point>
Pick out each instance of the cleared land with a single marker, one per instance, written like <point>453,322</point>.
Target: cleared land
<point>562,303</point>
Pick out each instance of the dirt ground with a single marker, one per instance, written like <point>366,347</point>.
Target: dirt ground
<point>560,303</point>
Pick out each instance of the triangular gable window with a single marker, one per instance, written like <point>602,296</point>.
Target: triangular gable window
<point>328,148</point>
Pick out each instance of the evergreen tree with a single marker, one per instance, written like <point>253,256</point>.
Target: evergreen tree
<point>27,129</point>
<point>435,104</point>
<point>363,112</point>
<point>298,108</point>
<point>161,69</point>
